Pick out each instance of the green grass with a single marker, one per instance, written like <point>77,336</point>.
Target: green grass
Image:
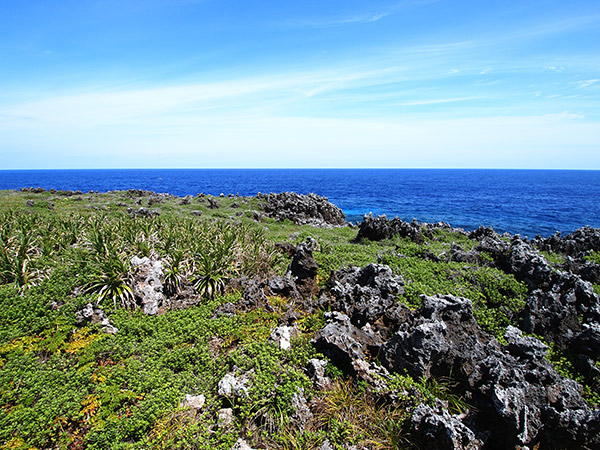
<point>69,386</point>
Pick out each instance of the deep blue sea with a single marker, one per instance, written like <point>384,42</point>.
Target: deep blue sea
<point>529,202</point>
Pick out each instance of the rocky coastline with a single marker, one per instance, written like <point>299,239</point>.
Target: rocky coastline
<point>512,394</point>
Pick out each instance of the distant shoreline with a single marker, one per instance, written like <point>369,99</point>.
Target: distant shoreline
<point>520,201</point>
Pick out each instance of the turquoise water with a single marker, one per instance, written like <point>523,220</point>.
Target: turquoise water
<point>528,202</point>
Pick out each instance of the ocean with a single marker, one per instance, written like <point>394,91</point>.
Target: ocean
<point>528,202</point>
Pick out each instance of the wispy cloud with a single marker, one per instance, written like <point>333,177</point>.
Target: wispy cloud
<point>557,26</point>
<point>369,16</point>
<point>587,83</point>
<point>437,101</point>
<point>340,20</point>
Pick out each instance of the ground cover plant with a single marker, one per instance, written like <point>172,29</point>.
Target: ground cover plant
<point>70,381</point>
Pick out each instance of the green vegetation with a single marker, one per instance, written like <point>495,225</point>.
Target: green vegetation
<point>73,386</point>
<point>593,257</point>
<point>555,259</point>
<point>496,296</point>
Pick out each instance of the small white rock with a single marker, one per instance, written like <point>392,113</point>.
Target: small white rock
<point>193,401</point>
<point>230,386</point>
<point>225,417</point>
<point>282,336</point>
<point>241,445</point>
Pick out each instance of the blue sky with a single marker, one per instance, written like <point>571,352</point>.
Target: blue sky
<point>221,83</point>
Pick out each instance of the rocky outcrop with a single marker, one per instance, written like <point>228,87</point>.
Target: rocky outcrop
<point>438,429</point>
<point>576,244</point>
<point>143,212</point>
<point>439,339</point>
<point>310,209</point>
<point>558,301</point>
<point>256,292</point>
<point>33,190</point>
<point>368,295</point>
<point>94,315</point>
<point>519,397</point>
<point>343,342</point>
<point>148,284</point>
<point>303,269</point>
<point>380,228</point>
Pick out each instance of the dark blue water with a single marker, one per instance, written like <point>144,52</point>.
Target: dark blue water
<point>528,202</point>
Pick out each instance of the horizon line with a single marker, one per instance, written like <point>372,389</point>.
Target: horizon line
<point>301,168</point>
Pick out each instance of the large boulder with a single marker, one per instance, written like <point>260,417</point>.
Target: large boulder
<point>303,269</point>
<point>148,283</point>
<point>438,429</point>
<point>343,342</point>
<point>440,338</point>
<point>310,209</point>
<point>366,294</point>
<point>380,228</point>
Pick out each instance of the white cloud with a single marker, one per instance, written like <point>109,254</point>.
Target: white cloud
<point>436,101</point>
<point>587,83</point>
<point>311,119</point>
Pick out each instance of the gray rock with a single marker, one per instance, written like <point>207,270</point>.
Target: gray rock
<point>193,401</point>
<point>212,203</point>
<point>440,430</point>
<point>282,336</point>
<point>326,445</point>
<point>576,244</point>
<point>316,371</point>
<point>94,315</point>
<point>108,327</point>
<point>365,294</point>
<point>380,228</point>
<point>231,386</point>
<point>587,342</point>
<point>303,270</point>
<point>301,209</point>
<point>186,200</point>
<point>241,445</point>
<point>224,417</point>
<point>519,397</point>
<point>343,342</point>
<point>302,414</point>
<point>284,286</point>
<point>524,347</point>
<point>441,337</point>
<point>143,212</point>
<point>148,286</point>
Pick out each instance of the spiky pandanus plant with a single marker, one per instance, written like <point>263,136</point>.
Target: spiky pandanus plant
<point>211,276</point>
<point>114,281</point>
<point>214,261</point>
<point>15,254</point>
<point>257,254</point>
<point>101,236</point>
<point>175,272</point>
